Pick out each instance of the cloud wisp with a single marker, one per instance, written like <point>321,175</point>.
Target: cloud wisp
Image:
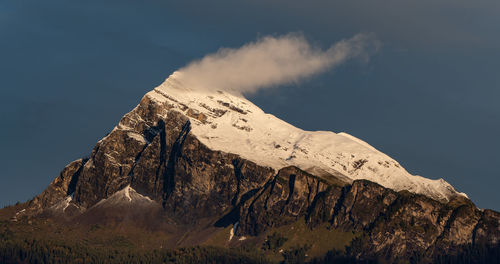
<point>272,61</point>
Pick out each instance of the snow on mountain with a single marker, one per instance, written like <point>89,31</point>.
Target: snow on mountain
<point>125,196</point>
<point>230,123</point>
<point>62,205</point>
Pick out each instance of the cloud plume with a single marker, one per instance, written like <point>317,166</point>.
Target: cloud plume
<point>272,61</point>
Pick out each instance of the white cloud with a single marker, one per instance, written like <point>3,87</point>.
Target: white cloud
<point>272,61</point>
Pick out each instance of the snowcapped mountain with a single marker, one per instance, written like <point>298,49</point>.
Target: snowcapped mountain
<point>209,167</point>
<point>230,123</point>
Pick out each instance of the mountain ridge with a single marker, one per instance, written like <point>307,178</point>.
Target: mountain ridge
<point>222,120</point>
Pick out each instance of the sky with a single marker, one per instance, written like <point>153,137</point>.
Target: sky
<point>428,97</point>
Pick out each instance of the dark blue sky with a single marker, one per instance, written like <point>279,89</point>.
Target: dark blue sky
<point>429,98</point>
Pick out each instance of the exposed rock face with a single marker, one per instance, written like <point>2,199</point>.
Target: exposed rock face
<point>60,187</point>
<point>153,152</point>
<point>282,200</point>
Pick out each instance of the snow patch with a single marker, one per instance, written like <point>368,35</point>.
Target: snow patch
<point>127,196</point>
<point>62,205</point>
<point>67,201</point>
<point>127,193</point>
<point>137,137</point>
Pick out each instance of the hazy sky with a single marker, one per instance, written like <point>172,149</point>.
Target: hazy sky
<point>428,98</point>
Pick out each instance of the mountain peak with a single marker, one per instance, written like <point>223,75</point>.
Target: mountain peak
<point>228,122</point>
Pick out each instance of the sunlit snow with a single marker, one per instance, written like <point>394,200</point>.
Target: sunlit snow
<point>230,123</point>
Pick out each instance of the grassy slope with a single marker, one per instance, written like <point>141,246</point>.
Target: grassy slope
<point>106,241</point>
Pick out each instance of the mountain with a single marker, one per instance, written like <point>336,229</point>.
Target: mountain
<point>202,167</point>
